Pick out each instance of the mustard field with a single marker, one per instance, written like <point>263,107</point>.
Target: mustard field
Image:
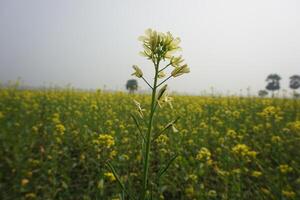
<point>55,144</point>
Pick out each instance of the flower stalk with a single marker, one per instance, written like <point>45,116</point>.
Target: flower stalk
<point>158,47</point>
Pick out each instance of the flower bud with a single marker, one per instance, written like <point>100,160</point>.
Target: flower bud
<point>180,70</point>
<point>137,71</point>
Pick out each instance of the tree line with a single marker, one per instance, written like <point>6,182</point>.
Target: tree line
<point>273,84</point>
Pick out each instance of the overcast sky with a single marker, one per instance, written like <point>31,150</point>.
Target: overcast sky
<point>228,44</point>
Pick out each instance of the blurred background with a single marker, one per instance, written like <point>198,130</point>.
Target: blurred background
<point>228,45</point>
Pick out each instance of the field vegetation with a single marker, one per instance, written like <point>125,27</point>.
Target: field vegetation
<point>55,144</point>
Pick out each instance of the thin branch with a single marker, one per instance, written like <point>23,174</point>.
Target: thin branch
<point>138,126</point>
<point>112,169</point>
<point>169,125</point>
<point>164,81</point>
<point>165,67</point>
<point>163,170</point>
<point>147,82</point>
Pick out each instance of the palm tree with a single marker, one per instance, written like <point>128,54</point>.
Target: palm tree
<point>273,83</point>
<point>132,85</point>
<point>295,84</point>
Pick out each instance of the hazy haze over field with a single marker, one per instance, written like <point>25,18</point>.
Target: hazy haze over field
<point>229,45</point>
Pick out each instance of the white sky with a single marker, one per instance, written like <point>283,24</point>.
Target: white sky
<point>228,44</point>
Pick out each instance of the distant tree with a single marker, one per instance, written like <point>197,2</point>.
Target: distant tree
<point>273,83</point>
<point>132,85</point>
<point>296,95</point>
<point>295,84</point>
<point>262,93</point>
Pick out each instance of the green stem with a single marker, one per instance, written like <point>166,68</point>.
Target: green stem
<point>148,136</point>
<point>165,67</point>
<point>147,82</point>
<point>164,81</point>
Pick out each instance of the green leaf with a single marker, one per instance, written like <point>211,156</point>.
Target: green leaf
<point>163,170</point>
<point>169,125</point>
<point>118,179</point>
<point>138,126</point>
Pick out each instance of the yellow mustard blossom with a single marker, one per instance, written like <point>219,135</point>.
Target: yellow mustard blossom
<point>288,193</point>
<point>165,99</point>
<point>295,126</point>
<point>203,154</point>
<point>30,195</point>
<point>256,173</point>
<point>231,133</point>
<point>56,118</point>
<point>124,157</point>
<point>236,171</point>
<point>189,191</point>
<point>112,154</point>
<point>212,193</point>
<point>162,139</point>
<point>272,112</point>
<point>105,140</point>
<point>243,150</point>
<point>284,168</point>
<point>265,190</point>
<point>110,176</point>
<point>192,177</point>
<point>60,128</point>
<point>276,139</point>
<point>24,182</point>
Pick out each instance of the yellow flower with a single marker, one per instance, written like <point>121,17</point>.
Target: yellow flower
<point>106,140</point>
<point>288,194</point>
<point>256,174</point>
<point>162,139</point>
<point>203,154</point>
<point>178,71</point>
<point>56,118</point>
<point>236,171</point>
<point>176,61</point>
<point>60,128</point>
<point>189,191</point>
<point>212,193</point>
<point>30,196</point>
<point>161,74</point>
<point>264,190</point>
<point>192,177</point>
<point>155,43</point>
<point>137,71</point>
<point>276,139</point>
<point>231,133</point>
<point>244,151</point>
<point>24,182</point>
<point>240,149</point>
<point>140,110</point>
<point>112,154</point>
<point>165,99</point>
<point>285,168</point>
<point>124,157</point>
<point>35,129</point>
<point>110,176</point>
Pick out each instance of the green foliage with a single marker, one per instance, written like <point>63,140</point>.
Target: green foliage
<point>41,160</point>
